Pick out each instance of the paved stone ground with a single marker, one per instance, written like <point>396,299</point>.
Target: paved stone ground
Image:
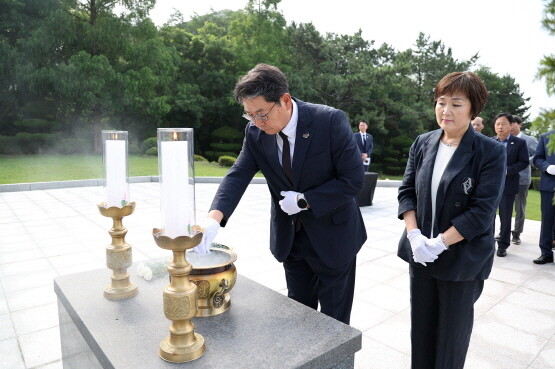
<point>47,233</point>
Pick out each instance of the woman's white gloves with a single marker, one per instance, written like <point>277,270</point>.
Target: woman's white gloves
<point>436,245</point>
<point>420,253</point>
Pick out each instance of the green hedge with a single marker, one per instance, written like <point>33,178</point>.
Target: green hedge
<point>37,125</point>
<point>153,151</point>
<point>226,161</point>
<point>150,143</point>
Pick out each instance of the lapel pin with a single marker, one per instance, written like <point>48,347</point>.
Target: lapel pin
<point>305,135</point>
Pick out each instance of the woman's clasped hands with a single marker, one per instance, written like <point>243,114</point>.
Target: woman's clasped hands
<point>425,250</point>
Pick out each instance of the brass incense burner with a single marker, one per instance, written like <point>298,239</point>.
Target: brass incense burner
<point>215,275</point>
<point>118,254</point>
<point>180,302</point>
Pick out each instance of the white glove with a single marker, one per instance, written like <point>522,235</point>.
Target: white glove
<point>436,245</point>
<point>209,230</point>
<point>289,202</point>
<point>551,169</point>
<point>420,252</point>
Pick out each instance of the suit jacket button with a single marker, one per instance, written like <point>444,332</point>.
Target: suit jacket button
<point>458,204</point>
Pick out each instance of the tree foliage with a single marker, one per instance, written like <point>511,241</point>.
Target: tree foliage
<point>101,64</point>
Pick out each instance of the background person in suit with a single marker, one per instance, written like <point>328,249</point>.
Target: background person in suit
<point>545,162</point>
<point>517,160</point>
<point>525,178</point>
<point>478,124</point>
<point>450,191</point>
<point>365,143</point>
<point>312,165</point>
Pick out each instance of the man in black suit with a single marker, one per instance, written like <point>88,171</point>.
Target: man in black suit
<point>517,160</point>
<point>365,143</point>
<point>312,166</point>
<point>545,162</point>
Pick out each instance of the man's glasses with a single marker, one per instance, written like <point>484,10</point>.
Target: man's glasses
<point>260,117</point>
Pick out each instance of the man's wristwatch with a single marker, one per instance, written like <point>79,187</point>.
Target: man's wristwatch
<point>301,202</point>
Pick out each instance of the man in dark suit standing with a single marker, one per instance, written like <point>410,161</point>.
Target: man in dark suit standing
<point>545,162</point>
<point>517,160</point>
<point>525,178</point>
<point>365,143</point>
<point>312,166</point>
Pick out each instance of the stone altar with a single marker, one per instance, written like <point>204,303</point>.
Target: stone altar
<point>263,329</point>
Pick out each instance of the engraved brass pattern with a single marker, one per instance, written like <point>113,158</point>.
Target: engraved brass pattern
<point>177,307</point>
<point>203,288</point>
<point>118,259</point>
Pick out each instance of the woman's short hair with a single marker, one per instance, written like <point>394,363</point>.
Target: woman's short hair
<point>467,83</point>
<point>263,80</point>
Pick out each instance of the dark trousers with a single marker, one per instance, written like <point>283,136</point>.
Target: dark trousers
<point>442,316</point>
<point>505,215</point>
<point>520,209</point>
<point>548,220</point>
<point>310,281</point>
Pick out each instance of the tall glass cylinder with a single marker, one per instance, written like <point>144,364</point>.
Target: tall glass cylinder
<point>116,170</point>
<point>177,181</point>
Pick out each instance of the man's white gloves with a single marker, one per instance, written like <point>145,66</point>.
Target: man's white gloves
<point>420,252</point>
<point>551,169</point>
<point>289,202</point>
<point>436,245</point>
<point>210,229</point>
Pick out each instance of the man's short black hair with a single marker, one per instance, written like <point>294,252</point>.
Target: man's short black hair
<point>509,117</point>
<point>263,80</point>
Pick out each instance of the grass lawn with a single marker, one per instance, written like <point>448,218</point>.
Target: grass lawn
<point>533,211</point>
<point>47,168</point>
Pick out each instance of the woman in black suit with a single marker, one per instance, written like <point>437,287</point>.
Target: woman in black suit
<point>450,192</point>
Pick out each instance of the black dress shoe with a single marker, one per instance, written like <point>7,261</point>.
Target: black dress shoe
<point>543,259</point>
<point>516,240</point>
<point>502,253</point>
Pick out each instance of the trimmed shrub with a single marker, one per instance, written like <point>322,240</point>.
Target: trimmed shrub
<point>209,155</point>
<point>32,143</point>
<point>226,161</point>
<point>150,143</point>
<point>37,125</point>
<point>200,158</point>
<point>153,151</point>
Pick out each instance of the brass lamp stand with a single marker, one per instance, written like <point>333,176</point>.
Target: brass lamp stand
<point>180,302</point>
<point>118,254</point>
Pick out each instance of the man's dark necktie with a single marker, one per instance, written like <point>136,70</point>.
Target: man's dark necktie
<point>286,157</point>
<point>363,139</point>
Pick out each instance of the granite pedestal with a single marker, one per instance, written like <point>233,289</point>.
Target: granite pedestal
<point>263,329</point>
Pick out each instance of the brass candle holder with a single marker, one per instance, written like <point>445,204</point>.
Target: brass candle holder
<point>118,254</point>
<point>180,302</point>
